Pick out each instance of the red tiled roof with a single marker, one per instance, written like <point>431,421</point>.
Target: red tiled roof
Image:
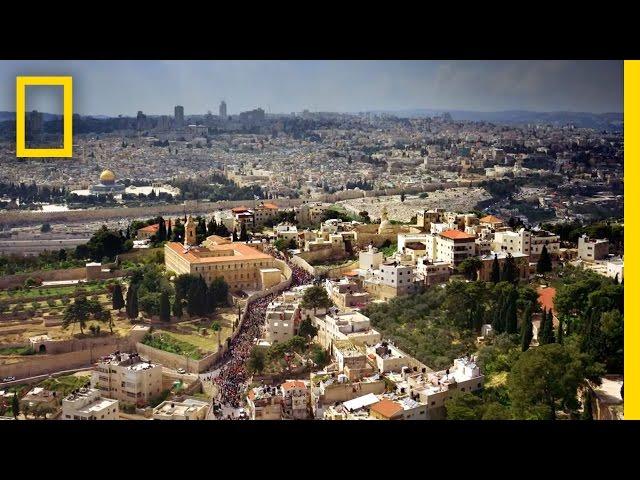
<point>491,219</point>
<point>387,408</point>
<point>241,252</point>
<point>271,206</point>
<point>546,296</point>
<point>457,235</point>
<point>239,209</point>
<point>150,228</point>
<point>293,384</point>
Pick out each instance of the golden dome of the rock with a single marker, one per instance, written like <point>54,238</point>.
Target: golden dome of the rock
<point>107,177</point>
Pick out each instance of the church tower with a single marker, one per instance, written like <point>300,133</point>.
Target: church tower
<point>189,232</point>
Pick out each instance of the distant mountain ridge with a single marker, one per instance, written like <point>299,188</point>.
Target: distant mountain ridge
<point>7,116</point>
<point>581,119</point>
<point>602,121</point>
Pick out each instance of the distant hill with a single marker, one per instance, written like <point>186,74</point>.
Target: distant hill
<point>609,121</point>
<point>7,116</point>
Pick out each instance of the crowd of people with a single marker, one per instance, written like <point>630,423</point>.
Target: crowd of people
<point>232,377</point>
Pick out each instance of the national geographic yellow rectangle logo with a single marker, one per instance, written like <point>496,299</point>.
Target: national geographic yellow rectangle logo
<point>67,144</point>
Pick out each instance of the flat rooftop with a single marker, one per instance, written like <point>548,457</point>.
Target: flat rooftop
<point>97,406</point>
<point>185,408</point>
<point>132,361</point>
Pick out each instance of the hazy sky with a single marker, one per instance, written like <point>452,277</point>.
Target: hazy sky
<point>124,87</point>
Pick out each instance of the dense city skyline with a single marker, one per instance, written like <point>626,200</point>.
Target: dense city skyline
<point>122,87</point>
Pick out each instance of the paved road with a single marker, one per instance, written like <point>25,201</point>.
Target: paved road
<point>37,378</point>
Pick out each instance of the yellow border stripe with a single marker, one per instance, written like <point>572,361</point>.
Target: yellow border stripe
<point>632,262</point>
<point>67,111</point>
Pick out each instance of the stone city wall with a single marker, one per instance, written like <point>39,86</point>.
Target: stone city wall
<point>33,365</point>
<point>8,281</point>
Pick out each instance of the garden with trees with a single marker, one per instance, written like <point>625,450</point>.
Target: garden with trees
<point>524,379</point>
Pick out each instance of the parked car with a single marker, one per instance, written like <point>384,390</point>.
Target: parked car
<point>181,370</point>
<point>8,379</point>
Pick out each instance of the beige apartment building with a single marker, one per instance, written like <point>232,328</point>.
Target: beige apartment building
<point>526,242</point>
<point>591,250</point>
<point>311,213</point>
<point>295,399</point>
<point>128,378</point>
<point>282,320</point>
<point>89,404</point>
<point>352,326</point>
<point>452,246</point>
<point>346,293</point>
<point>254,217</point>
<point>327,390</point>
<point>391,280</point>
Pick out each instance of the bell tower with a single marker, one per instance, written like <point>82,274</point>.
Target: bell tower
<point>189,232</point>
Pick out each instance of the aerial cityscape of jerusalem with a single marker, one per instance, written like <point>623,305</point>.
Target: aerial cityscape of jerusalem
<point>314,240</point>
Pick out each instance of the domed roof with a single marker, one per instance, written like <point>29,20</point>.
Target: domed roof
<point>107,176</point>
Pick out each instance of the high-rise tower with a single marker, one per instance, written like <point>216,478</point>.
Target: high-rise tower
<point>179,116</point>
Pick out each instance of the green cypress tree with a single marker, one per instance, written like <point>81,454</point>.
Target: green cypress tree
<point>162,230</point>
<point>544,264</point>
<point>495,270</point>
<point>499,315</point>
<point>176,308</point>
<point>587,408</point>
<point>117,302</point>
<point>526,329</point>
<point>509,270</point>
<point>541,327</point>
<point>222,230</point>
<point>132,302</point>
<point>165,315</point>
<point>549,325</point>
<point>560,331</point>
<point>547,330</point>
<point>477,318</point>
<point>211,227</point>
<point>511,312</point>
<point>243,233</point>
<point>15,405</point>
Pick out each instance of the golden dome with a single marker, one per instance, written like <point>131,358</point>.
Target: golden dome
<point>107,176</point>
